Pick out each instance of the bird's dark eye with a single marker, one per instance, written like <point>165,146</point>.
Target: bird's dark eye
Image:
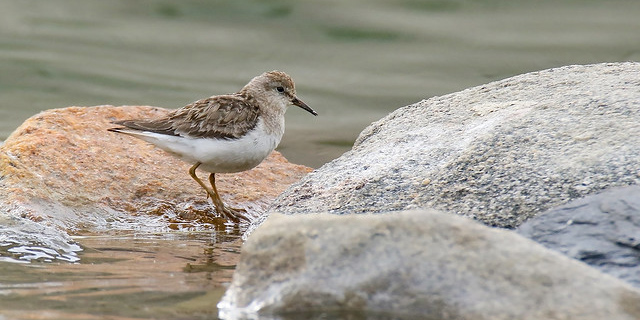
<point>280,89</point>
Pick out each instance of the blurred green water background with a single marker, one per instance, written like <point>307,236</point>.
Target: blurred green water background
<point>353,61</point>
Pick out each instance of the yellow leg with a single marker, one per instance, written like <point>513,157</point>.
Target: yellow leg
<point>230,213</point>
<point>192,172</point>
<point>234,214</point>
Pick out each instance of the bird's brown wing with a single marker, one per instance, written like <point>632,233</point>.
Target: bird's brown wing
<point>221,117</point>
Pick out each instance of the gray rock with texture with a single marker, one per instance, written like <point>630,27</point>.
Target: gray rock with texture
<point>415,263</point>
<point>602,230</point>
<point>500,152</point>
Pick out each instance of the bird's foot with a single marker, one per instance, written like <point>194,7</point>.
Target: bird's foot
<point>233,214</point>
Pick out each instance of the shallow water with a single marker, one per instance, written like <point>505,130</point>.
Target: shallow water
<point>125,276</point>
<point>353,62</point>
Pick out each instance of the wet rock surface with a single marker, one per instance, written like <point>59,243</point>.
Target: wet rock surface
<point>63,170</point>
<point>437,266</point>
<point>500,153</point>
<point>602,230</point>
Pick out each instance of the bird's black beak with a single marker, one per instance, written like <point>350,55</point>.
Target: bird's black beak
<point>297,102</point>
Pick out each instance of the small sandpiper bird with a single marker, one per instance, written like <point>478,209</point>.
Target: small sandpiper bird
<point>225,133</point>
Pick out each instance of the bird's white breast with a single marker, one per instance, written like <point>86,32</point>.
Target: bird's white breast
<point>219,155</point>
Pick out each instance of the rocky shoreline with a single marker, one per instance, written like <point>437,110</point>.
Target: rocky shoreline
<point>564,141</point>
<point>417,220</point>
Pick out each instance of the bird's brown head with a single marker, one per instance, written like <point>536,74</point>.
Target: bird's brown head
<point>279,86</point>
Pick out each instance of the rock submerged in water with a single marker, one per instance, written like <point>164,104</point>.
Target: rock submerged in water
<point>499,153</point>
<point>415,263</point>
<point>62,169</point>
<point>602,230</point>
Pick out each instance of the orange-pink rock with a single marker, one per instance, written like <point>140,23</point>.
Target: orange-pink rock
<point>63,164</point>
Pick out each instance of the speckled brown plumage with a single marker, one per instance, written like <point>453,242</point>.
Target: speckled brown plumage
<point>220,117</point>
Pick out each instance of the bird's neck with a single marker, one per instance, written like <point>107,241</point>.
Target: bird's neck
<point>273,120</point>
<point>271,110</point>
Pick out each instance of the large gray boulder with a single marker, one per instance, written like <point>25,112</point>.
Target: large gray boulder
<point>418,264</point>
<point>500,152</point>
<point>602,230</point>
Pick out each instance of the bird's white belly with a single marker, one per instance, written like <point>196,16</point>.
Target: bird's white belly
<point>218,155</point>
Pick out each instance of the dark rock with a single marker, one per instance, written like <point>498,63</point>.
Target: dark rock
<point>602,230</point>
